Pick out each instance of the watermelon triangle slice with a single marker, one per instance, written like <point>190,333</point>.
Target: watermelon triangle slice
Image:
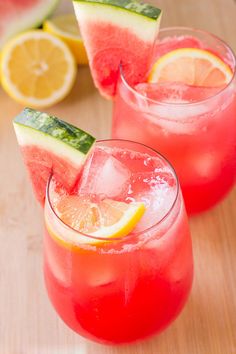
<point>117,32</point>
<point>51,146</point>
<point>19,15</point>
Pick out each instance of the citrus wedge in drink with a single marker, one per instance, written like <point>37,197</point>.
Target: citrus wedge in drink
<point>51,146</point>
<point>37,69</point>
<point>117,33</point>
<point>106,218</point>
<point>191,66</point>
<point>66,28</point>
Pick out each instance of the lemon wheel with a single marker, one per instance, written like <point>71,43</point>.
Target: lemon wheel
<point>37,69</point>
<point>191,66</point>
<point>105,219</point>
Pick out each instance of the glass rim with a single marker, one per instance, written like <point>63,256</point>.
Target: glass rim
<point>186,104</point>
<point>130,235</point>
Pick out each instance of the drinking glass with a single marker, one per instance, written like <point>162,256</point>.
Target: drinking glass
<point>125,289</point>
<point>198,138</point>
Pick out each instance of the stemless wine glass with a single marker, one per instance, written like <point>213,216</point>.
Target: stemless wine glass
<point>124,289</point>
<point>198,138</point>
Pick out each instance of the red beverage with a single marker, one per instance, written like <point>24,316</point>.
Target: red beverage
<point>194,127</point>
<point>125,289</point>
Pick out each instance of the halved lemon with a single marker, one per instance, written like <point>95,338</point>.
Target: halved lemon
<point>191,66</point>
<point>106,219</point>
<point>37,69</point>
<point>66,28</point>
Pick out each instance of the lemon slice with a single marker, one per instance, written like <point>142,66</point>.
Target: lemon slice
<point>106,219</point>
<point>191,66</point>
<point>66,28</point>
<point>37,69</point>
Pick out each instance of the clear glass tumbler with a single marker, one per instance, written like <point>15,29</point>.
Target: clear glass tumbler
<point>128,288</point>
<point>198,138</point>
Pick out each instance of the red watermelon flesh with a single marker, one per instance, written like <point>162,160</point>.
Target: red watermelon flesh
<point>41,164</point>
<point>117,34</point>
<point>132,55</point>
<point>51,146</point>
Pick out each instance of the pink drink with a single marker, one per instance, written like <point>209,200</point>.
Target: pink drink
<point>194,127</point>
<point>125,289</point>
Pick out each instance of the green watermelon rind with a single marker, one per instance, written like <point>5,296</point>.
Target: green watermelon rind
<point>132,6</point>
<point>56,128</point>
<point>46,15</point>
<point>52,134</point>
<point>31,23</point>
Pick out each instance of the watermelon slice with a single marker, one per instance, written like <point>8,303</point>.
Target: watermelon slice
<point>50,145</point>
<point>117,32</point>
<point>19,15</point>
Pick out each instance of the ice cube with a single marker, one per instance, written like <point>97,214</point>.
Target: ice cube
<point>100,278</point>
<point>157,190</point>
<point>104,175</point>
<point>206,165</point>
<point>174,92</point>
<point>59,267</point>
<point>157,203</point>
<point>169,108</point>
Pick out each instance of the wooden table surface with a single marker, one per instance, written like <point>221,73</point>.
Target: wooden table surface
<point>28,324</point>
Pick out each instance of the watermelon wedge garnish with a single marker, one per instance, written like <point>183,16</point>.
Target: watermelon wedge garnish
<point>19,15</point>
<point>117,32</point>
<point>51,146</point>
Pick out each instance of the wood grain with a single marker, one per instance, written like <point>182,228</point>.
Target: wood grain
<point>28,324</point>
